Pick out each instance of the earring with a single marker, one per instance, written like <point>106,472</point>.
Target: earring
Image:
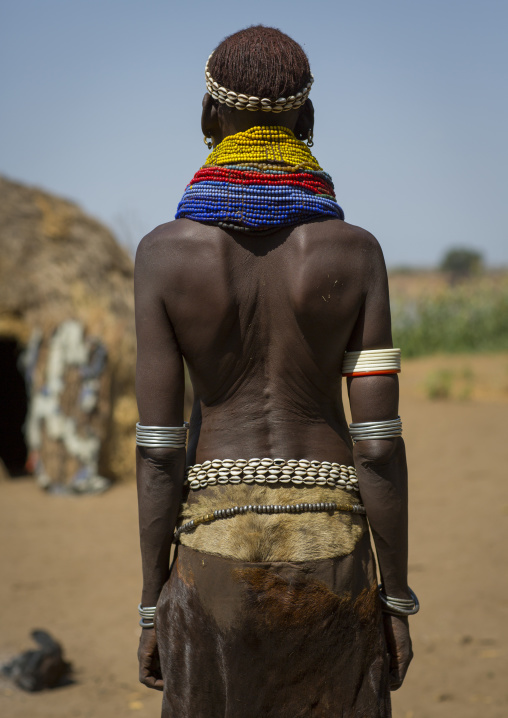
<point>310,138</point>
<point>208,142</point>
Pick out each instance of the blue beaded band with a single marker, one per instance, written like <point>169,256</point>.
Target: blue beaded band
<point>254,207</point>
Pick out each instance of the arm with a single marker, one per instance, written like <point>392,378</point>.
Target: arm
<point>381,463</point>
<point>160,471</point>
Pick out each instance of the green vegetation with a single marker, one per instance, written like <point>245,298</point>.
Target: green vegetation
<point>471,316</point>
<point>462,262</point>
<point>450,383</point>
<point>438,384</point>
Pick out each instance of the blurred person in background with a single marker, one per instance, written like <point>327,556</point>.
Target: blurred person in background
<point>271,606</point>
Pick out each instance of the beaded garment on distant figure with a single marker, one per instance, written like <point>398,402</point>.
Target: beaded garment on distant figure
<point>258,181</point>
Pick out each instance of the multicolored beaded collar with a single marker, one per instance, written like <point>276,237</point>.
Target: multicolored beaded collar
<point>258,181</point>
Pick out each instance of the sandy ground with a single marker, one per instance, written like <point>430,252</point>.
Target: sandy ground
<point>71,566</point>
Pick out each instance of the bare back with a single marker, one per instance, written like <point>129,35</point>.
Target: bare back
<point>263,324</point>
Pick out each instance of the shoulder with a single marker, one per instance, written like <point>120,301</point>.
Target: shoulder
<point>352,254</point>
<point>367,247</point>
<point>357,238</point>
<point>171,246</point>
<point>340,240</point>
<point>163,240</point>
<point>175,255</point>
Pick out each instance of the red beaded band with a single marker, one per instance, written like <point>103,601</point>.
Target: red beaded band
<point>243,177</point>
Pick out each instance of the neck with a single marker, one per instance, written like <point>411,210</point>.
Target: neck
<point>231,123</point>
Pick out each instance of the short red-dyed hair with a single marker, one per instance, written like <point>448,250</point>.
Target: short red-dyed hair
<point>260,61</point>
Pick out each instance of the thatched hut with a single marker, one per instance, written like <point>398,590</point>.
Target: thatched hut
<point>67,344</point>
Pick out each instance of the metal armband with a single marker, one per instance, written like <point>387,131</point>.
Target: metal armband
<point>173,437</point>
<point>376,430</point>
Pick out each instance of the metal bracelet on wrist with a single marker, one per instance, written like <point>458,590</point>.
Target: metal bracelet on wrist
<point>147,614</point>
<point>399,606</point>
<point>146,624</point>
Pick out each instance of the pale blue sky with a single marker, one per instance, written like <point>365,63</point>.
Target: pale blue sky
<point>100,102</point>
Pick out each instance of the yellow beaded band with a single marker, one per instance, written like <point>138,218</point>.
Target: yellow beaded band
<point>274,145</point>
<point>253,103</point>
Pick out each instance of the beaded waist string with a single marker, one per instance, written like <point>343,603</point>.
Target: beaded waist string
<point>328,506</point>
<point>257,181</point>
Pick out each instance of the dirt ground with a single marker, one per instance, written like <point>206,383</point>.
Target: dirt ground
<point>71,565</point>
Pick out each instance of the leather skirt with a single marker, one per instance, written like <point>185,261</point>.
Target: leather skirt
<point>274,639</point>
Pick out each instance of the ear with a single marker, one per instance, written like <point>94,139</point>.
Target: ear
<point>305,121</point>
<point>209,117</point>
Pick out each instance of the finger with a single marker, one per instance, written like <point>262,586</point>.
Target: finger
<point>395,683</point>
<point>156,684</point>
<point>144,662</point>
<point>396,678</point>
<point>398,672</point>
<point>144,670</point>
<point>147,678</point>
<point>149,675</point>
<point>143,673</point>
<point>403,666</point>
<point>394,672</point>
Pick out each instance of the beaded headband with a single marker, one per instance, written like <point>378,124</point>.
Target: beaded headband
<point>252,103</point>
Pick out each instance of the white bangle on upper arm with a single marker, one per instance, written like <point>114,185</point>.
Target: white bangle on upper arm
<point>371,362</point>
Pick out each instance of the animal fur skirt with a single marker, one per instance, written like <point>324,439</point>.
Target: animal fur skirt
<point>265,635</point>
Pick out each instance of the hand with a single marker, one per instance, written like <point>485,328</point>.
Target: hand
<point>398,643</point>
<point>149,664</point>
